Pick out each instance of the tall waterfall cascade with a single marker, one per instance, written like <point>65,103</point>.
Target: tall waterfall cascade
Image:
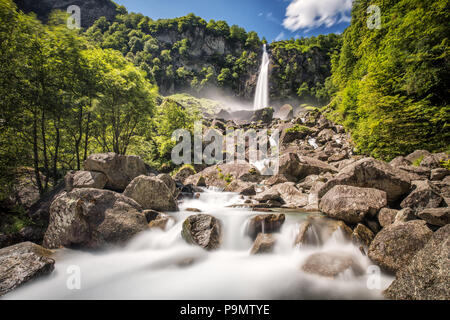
<point>262,87</point>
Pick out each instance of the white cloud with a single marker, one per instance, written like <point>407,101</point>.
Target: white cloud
<point>306,14</point>
<point>260,14</point>
<point>280,36</point>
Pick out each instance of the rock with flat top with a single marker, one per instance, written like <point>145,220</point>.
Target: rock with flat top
<point>22,263</point>
<point>371,173</point>
<point>352,204</point>
<point>119,169</point>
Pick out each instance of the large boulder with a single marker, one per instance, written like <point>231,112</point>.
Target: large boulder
<point>265,223</point>
<point>21,263</point>
<point>395,245</point>
<point>352,204</point>
<point>435,216</point>
<point>223,174</point>
<point>425,195</point>
<point>427,275</point>
<point>91,218</point>
<point>85,179</point>
<point>264,243</point>
<point>151,193</point>
<point>202,230</point>
<point>331,264</point>
<point>286,193</point>
<point>299,167</point>
<point>371,173</point>
<point>119,169</point>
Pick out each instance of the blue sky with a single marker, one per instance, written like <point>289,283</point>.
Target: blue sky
<point>273,19</point>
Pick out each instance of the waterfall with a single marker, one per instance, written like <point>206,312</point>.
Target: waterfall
<point>262,87</point>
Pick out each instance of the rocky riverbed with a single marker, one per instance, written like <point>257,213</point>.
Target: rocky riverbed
<point>315,229</point>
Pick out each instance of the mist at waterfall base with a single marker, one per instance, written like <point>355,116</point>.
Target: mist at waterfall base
<point>262,86</point>
<point>154,265</point>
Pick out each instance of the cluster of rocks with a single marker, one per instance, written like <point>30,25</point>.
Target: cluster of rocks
<point>394,212</point>
<point>113,199</point>
<point>397,212</point>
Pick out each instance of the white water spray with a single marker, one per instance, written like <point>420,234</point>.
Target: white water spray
<point>160,265</point>
<point>262,87</point>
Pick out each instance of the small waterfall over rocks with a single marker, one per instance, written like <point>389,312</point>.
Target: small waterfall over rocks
<point>262,88</point>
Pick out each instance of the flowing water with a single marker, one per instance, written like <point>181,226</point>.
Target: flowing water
<point>262,87</point>
<point>160,265</point>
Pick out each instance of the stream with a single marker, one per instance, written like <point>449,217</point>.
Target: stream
<point>159,264</point>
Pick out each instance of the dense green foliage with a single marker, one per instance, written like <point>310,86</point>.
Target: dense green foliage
<point>393,81</point>
<point>62,99</point>
<point>183,53</point>
<point>302,67</point>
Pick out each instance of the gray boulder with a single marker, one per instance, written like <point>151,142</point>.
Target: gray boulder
<point>371,173</point>
<point>352,204</point>
<point>21,263</point>
<point>223,174</point>
<point>119,169</point>
<point>84,179</point>
<point>151,193</point>
<point>91,218</point>
<point>299,167</point>
<point>425,195</point>
<point>427,275</point>
<point>395,245</point>
<point>202,230</point>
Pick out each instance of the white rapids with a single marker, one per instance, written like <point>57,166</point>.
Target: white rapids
<point>153,265</point>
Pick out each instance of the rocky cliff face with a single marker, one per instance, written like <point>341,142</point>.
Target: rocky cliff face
<point>91,10</point>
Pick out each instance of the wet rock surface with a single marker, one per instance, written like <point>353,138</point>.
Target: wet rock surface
<point>203,230</point>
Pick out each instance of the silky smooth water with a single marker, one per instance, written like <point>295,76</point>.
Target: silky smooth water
<point>262,87</point>
<point>154,265</point>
